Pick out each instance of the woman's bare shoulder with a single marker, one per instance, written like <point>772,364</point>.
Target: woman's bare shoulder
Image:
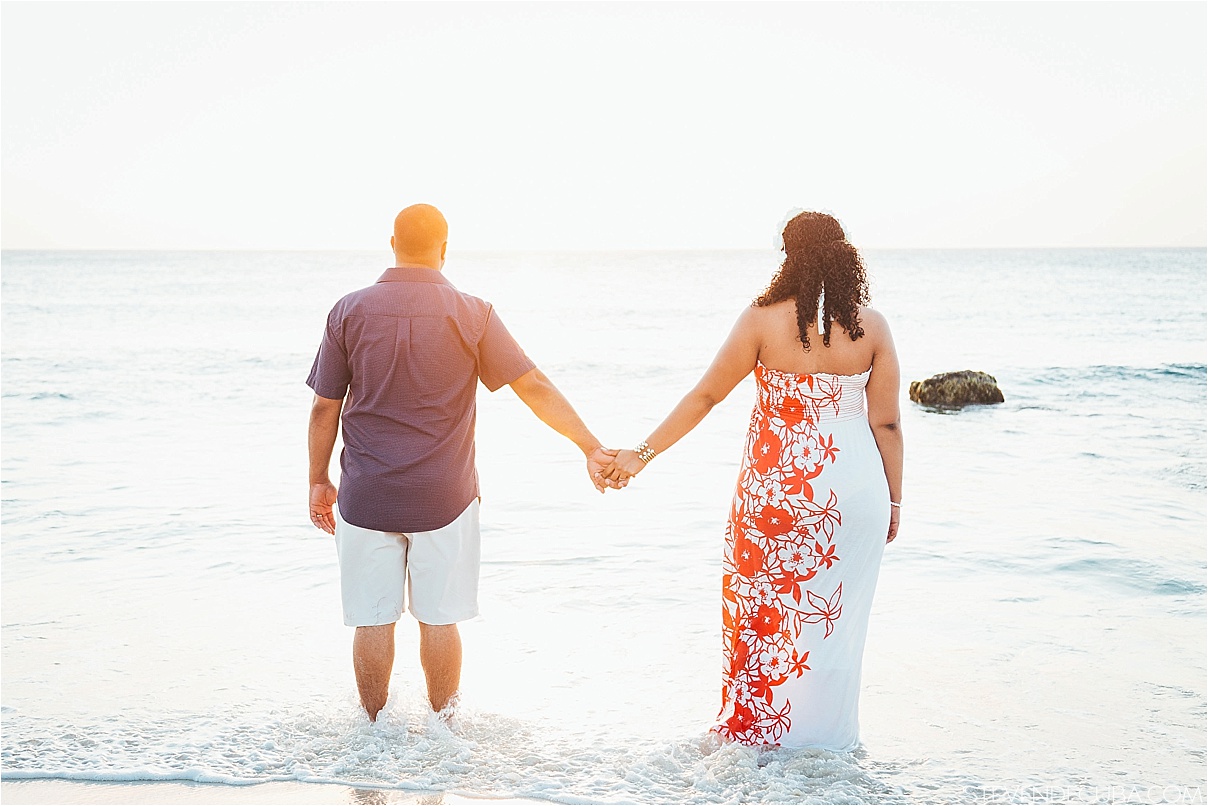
<point>759,314</point>
<point>873,320</point>
<point>749,319</point>
<point>777,310</point>
<point>876,329</point>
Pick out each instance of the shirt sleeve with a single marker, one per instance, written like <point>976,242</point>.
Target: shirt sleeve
<point>330,374</point>
<point>500,359</point>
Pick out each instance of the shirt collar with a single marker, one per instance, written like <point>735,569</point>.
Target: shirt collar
<point>400,274</point>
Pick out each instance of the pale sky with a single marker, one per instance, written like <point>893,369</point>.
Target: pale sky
<point>603,126</point>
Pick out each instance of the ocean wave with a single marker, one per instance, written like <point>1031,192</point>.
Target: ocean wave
<point>483,755</point>
<point>40,395</point>
<point>1189,475</point>
<point>1131,575</point>
<point>1109,373</point>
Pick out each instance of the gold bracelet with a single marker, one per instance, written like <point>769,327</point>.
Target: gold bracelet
<point>645,452</point>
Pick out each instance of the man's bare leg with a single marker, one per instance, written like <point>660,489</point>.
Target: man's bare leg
<point>440,655</point>
<point>372,659</point>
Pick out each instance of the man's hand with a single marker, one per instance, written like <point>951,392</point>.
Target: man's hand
<point>597,460</point>
<point>322,498</point>
<point>320,441</point>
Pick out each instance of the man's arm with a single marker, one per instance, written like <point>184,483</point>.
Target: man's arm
<point>321,440</point>
<point>552,408</point>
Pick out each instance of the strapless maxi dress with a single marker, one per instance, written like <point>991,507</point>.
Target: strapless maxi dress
<point>804,542</point>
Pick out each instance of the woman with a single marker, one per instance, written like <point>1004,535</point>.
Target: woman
<point>818,496</point>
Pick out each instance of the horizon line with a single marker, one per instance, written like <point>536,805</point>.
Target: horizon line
<point>268,249</point>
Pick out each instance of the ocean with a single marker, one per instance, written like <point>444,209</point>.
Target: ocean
<point>169,613</point>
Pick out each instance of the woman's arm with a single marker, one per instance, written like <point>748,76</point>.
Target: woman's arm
<point>883,411</point>
<point>733,362</point>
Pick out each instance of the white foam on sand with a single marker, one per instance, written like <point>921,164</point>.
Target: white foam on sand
<point>410,749</point>
<point>282,792</point>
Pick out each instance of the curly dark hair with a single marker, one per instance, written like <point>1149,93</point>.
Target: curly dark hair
<point>817,256</point>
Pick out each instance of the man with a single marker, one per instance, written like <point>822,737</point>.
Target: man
<point>401,360</point>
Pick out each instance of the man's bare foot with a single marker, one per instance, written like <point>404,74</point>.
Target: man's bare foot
<point>447,716</point>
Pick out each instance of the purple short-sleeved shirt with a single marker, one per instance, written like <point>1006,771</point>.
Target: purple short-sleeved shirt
<point>408,352</point>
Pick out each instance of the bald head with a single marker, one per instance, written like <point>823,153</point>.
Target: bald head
<point>420,236</point>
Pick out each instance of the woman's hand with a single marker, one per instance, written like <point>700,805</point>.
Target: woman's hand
<point>625,466</point>
<point>895,515</point>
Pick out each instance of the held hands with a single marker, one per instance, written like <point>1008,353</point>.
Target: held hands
<point>322,498</point>
<point>597,461</point>
<point>625,466</point>
<point>610,468</point>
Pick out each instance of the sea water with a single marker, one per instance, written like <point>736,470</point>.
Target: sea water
<point>169,613</point>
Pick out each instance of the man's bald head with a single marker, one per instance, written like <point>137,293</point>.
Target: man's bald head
<point>420,236</point>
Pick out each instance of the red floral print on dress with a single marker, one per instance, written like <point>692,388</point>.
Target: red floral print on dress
<point>767,451</point>
<point>778,538</point>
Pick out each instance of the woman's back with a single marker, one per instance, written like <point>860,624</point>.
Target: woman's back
<point>811,512</point>
<point>805,536</point>
<point>781,349</point>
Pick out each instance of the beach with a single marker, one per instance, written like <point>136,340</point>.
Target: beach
<point>172,626</point>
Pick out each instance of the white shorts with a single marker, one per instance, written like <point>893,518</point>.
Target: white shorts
<point>437,569</point>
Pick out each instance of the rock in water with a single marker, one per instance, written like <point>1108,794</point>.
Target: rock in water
<point>956,389</point>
